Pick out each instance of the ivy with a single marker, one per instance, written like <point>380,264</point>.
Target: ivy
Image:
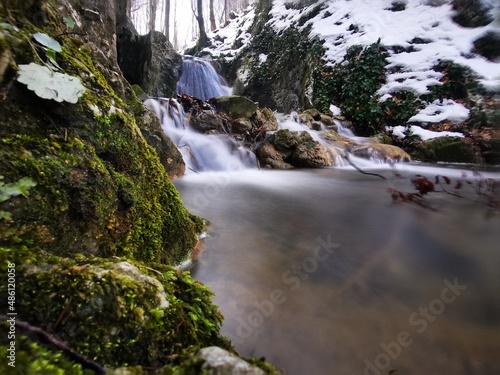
<point>352,85</point>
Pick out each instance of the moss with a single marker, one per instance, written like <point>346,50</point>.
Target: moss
<point>446,149</point>
<point>96,175</point>
<point>34,359</point>
<point>139,315</point>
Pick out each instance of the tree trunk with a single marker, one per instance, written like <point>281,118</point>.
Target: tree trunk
<point>152,14</point>
<point>203,39</point>
<point>213,26</point>
<point>167,19</point>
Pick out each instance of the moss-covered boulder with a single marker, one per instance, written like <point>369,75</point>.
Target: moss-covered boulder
<point>117,312</point>
<point>235,106</point>
<point>101,189</point>
<point>446,149</point>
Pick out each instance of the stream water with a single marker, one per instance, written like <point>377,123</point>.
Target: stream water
<point>320,272</point>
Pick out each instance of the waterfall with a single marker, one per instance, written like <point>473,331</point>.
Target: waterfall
<point>200,152</point>
<point>199,79</point>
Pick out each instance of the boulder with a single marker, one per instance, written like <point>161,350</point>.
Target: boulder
<point>241,125</point>
<point>379,151</point>
<point>235,106</point>
<point>149,61</point>
<point>447,149</point>
<point>205,121</point>
<point>265,119</point>
<point>217,361</point>
<point>270,158</point>
<point>133,309</point>
<point>296,148</point>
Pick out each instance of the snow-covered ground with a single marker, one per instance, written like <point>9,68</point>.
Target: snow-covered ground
<point>429,29</point>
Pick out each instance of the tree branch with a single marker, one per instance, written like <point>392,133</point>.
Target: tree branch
<point>50,340</point>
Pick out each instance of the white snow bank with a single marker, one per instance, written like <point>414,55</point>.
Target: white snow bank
<point>439,111</point>
<point>424,134</point>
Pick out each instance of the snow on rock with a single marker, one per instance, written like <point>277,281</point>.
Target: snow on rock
<point>424,134</point>
<point>438,111</point>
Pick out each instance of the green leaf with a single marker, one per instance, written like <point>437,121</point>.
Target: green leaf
<point>69,22</point>
<point>13,189</point>
<point>48,85</point>
<point>47,41</point>
<point>8,26</point>
<point>4,215</point>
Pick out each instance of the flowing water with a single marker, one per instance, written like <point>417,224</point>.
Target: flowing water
<point>320,272</point>
<point>201,80</point>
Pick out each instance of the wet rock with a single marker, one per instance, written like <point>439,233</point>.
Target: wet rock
<point>265,119</point>
<point>218,361</point>
<point>205,121</point>
<point>241,125</point>
<point>269,157</point>
<point>235,106</point>
<point>379,151</point>
<point>149,61</point>
<point>297,148</point>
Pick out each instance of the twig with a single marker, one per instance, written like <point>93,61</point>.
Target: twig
<point>362,171</point>
<point>48,339</point>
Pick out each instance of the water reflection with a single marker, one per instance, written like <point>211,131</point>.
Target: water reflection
<point>395,287</point>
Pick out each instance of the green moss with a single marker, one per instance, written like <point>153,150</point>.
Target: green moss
<point>115,312</point>
<point>34,359</point>
<point>446,149</point>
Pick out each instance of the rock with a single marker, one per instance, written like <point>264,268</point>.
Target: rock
<point>96,176</point>
<point>269,157</point>
<point>149,61</point>
<point>133,309</point>
<point>241,125</point>
<point>204,121</point>
<point>235,106</point>
<point>379,151</point>
<point>472,13</point>
<point>446,149</point>
<point>217,361</point>
<point>297,148</point>
<point>266,120</point>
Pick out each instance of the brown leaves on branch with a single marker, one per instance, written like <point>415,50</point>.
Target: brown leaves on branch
<point>486,189</point>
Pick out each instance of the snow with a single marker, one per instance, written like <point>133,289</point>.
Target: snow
<point>424,134</point>
<point>438,111</point>
<point>345,23</point>
<point>224,37</point>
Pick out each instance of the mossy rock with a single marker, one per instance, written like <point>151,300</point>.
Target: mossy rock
<point>100,188</point>
<point>236,106</point>
<point>117,312</point>
<point>446,149</point>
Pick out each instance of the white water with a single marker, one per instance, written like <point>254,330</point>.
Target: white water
<point>199,79</point>
<point>200,152</point>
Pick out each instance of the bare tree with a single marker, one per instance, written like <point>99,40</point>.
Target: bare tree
<point>167,19</point>
<point>213,26</point>
<point>152,14</point>
<point>198,13</point>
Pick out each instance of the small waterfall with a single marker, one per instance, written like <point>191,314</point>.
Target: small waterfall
<point>199,79</point>
<point>200,152</point>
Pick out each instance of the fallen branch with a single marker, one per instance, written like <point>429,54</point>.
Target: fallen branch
<point>48,339</point>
